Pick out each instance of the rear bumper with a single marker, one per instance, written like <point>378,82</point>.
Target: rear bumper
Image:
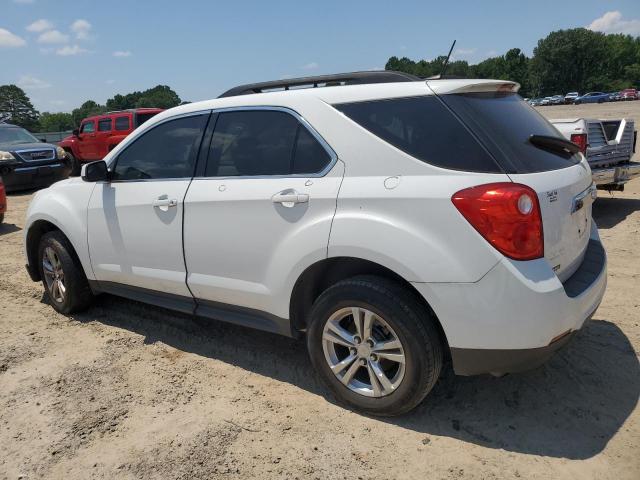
<point>618,175</point>
<point>26,177</point>
<point>518,314</point>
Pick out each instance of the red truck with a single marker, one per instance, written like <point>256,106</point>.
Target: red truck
<point>99,134</point>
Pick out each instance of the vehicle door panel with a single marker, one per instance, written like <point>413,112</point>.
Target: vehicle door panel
<point>135,220</point>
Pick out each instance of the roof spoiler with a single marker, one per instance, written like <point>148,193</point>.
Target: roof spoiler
<point>353,78</point>
<point>472,86</point>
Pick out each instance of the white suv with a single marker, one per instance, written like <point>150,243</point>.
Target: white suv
<point>394,222</point>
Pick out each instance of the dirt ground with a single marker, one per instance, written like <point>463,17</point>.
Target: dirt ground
<point>126,390</point>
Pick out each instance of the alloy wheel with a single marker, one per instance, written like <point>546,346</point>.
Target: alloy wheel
<point>54,275</point>
<point>363,352</point>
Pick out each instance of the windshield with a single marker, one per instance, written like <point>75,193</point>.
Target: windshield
<point>16,135</point>
<point>505,124</point>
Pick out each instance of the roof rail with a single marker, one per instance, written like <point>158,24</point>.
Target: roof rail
<point>353,78</point>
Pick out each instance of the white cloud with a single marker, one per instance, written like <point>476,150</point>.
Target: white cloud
<point>122,53</point>
<point>40,25</point>
<point>69,50</point>
<point>8,39</point>
<point>30,82</point>
<point>612,22</point>
<point>310,66</point>
<point>53,36</point>
<point>81,29</point>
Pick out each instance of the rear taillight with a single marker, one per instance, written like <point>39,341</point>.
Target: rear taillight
<point>580,139</point>
<point>507,215</point>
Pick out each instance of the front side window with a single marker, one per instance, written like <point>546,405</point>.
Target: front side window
<point>88,127</point>
<point>122,123</point>
<point>166,151</point>
<point>104,125</point>
<point>263,142</point>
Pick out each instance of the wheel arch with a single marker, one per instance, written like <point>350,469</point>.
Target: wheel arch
<point>319,276</point>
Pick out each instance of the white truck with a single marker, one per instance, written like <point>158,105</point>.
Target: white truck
<point>608,145</point>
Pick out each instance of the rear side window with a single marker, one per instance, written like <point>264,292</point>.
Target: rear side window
<point>166,151</point>
<point>104,125</point>
<point>122,123</point>
<point>504,123</point>
<point>424,128</point>
<point>263,142</point>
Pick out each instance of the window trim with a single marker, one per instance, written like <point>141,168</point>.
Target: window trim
<point>87,122</point>
<point>112,164</point>
<point>302,123</point>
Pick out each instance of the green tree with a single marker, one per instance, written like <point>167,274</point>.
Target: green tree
<point>56,122</point>
<point>85,110</point>
<point>160,96</point>
<point>15,104</point>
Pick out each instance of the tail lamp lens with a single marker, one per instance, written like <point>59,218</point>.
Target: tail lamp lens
<point>580,139</point>
<point>507,215</point>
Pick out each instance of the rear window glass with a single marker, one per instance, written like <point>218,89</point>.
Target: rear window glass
<point>143,117</point>
<point>504,123</point>
<point>424,128</point>
<point>122,123</point>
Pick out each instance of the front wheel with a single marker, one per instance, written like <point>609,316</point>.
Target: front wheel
<point>75,164</point>
<point>374,345</point>
<point>62,275</point>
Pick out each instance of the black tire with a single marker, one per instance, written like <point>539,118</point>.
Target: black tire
<point>577,103</point>
<point>1,217</point>
<point>601,101</point>
<point>74,163</point>
<point>78,295</point>
<point>410,321</point>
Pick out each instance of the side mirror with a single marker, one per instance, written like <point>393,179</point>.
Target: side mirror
<point>95,172</point>
<point>43,140</point>
<point>75,132</point>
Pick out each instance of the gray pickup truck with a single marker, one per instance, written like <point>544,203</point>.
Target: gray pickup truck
<point>609,146</point>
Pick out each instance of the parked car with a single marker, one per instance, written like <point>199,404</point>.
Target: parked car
<point>571,97</point>
<point>311,212</point>
<point>98,135</point>
<point>592,97</point>
<point>629,94</point>
<point>545,101</point>
<point>3,201</point>
<point>26,162</point>
<point>608,145</point>
<point>557,100</point>
<point>614,97</point>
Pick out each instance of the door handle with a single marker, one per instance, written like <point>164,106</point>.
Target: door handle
<point>163,202</point>
<point>289,198</point>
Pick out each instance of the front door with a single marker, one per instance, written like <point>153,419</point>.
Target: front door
<point>263,207</point>
<point>135,220</point>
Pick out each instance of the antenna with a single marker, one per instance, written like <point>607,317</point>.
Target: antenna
<point>446,62</point>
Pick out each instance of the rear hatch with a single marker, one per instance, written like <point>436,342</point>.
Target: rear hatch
<point>505,124</point>
<point>610,142</point>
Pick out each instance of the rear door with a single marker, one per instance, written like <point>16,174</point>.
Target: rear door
<point>105,127</point>
<point>505,124</point>
<point>263,206</point>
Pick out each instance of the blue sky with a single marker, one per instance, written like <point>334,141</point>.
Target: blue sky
<point>63,52</point>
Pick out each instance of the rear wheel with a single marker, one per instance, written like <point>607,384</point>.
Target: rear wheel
<point>374,345</point>
<point>62,275</point>
<point>1,217</point>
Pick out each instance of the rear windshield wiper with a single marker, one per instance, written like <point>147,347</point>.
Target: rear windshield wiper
<point>555,144</point>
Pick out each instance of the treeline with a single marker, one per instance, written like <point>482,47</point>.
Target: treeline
<point>566,60</point>
<point>17,107</point>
